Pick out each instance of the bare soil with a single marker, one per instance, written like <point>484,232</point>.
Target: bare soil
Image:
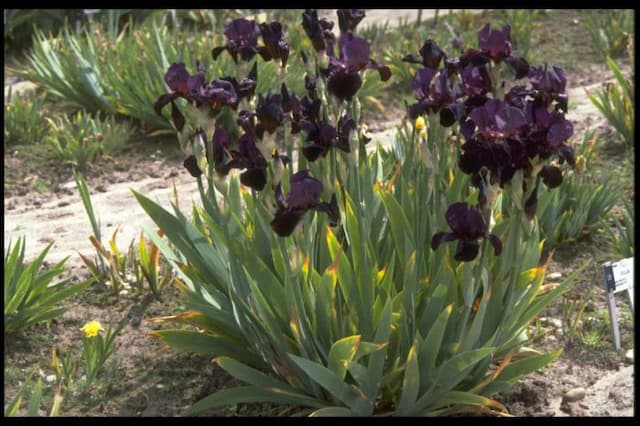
<point>147,379</point>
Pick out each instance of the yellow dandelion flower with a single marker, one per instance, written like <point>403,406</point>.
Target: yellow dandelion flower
<point>92,328</point>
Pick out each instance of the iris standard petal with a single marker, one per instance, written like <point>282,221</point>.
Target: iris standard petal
<point>176,78</point>
<point>354,52</point>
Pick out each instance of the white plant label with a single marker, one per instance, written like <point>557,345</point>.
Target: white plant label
<point>623,274</point>
<point>618,277</point>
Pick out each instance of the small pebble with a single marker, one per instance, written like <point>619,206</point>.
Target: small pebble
<point>574,395</point>
<point>50,378</point>
<point>554,276</point>
<point>628,356</point>
<point>68,185</point>
<point>555,322</point>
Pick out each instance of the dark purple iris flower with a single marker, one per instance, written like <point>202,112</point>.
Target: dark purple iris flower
<point>441,97</point>
<point>520,66</point>
<point>180,82</point>
<point>467,227</point>
<point>177,78</point>
<point>348,19</point>
<point>250,158</point>
<point>323,136</point>
<point>549,81</point>
<point>217,94</point>
<point>341,83</point>
<point>552,85</point>
<point>275,44</point>
<point>431,54</point>
<point>246,156</point>
<point>226,91</point>
<point>319,31</point>
<point>479,154</point>
<point>246,87</point>
<point>304,194</point>
<point>343,78</point>
<point>222,157</point>
<point>346,125</point>
<point>305,110</point>
<point>548,133</point>
<point>471,57</point>
<point>495,43</point>
<point>242,39</point>
<point>270,113</point>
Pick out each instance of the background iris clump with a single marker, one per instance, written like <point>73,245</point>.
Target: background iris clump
<point>365,309</point>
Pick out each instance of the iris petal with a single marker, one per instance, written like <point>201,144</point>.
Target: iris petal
<point>466,250</point>
<point>164,100</point>
<point>441,237</point>
<point>496,243</point>
<point>551,176</point>
<point>285,221</point>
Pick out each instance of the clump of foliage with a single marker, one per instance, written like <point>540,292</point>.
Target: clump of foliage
<point>30,295</point>
<point>24,121</point>
<point>610,29</point>
<point>364,308</point>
